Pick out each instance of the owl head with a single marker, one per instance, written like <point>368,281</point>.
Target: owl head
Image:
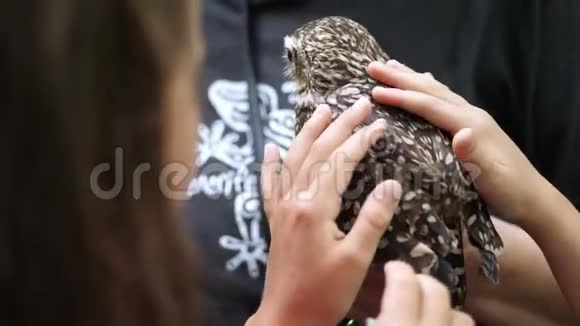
<point>327,53</point>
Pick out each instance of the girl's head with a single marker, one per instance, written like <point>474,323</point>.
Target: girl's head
<point>97,129</point>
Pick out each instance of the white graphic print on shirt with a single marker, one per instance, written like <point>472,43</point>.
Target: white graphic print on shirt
<point>226,162</point>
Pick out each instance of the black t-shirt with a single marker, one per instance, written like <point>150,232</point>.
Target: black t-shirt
<point>515,59</point>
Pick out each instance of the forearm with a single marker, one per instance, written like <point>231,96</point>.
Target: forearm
<point>527,292</point>
<point>262,318</point>
<point>554,225</point>
<point>491,312</point>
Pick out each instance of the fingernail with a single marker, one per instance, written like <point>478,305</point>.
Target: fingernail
<point>393,265</point>
<point>363,101</point>
<point>269,147</point>
<point>379,127</point>
<point>376,63</point>
<point>389,265</point>
<point>395,64</point>
<point>320,109</point>
<point>395,189</point>
<point>376,89</point>
<point>382,89</point>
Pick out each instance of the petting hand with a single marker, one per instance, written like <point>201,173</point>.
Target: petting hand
<point>408,299</point>
<point>417,300</point>
<point>502,173</point>
<point>314,270</point>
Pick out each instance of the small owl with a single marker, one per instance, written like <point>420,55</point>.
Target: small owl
<point>327,58</point>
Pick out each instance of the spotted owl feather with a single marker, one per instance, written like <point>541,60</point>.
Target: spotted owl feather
<point>327,58</point>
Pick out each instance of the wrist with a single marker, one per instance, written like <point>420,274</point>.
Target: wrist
<point>537,193</point>
<point>547,209</point>
<point>266,316</point>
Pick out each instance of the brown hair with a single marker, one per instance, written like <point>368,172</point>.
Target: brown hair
<point>79,79</point>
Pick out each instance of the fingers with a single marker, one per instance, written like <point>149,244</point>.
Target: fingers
<point>399,76</point>
<point>472,157</point>
<point>462,319</point>
<point>395,64</point>
<point>400,66</point>
<point>412,299</point>
<point>436,309</point>
<point>463,143</point>
<point>309,133</point>
<point>269,176</point>
<point>344,160</point>
<point>330,139</point>
<point>434,110</point>
<point>401,303</point>
<point>341,128</point>
<point>374,217</point>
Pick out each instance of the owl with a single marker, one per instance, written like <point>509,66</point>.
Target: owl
<point>327,59</point>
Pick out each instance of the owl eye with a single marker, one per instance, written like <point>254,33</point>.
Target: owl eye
<point>290,55</point>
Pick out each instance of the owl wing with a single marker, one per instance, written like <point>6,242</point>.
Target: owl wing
<point>412,152</point>
<point>410,142</point>
<point>418,153</point>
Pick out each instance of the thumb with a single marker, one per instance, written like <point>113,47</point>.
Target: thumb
<point>464,144</point>
<point>374,218</point>
<point>467,151</point>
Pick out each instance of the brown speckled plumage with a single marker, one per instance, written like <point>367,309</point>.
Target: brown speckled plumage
<point>327,58</point>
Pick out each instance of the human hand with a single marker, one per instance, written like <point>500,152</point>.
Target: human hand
<point>314,270</point>
<point>408,299</point>
<point>417,300</point>
<point>505,178</point>
<point>501,172</point>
